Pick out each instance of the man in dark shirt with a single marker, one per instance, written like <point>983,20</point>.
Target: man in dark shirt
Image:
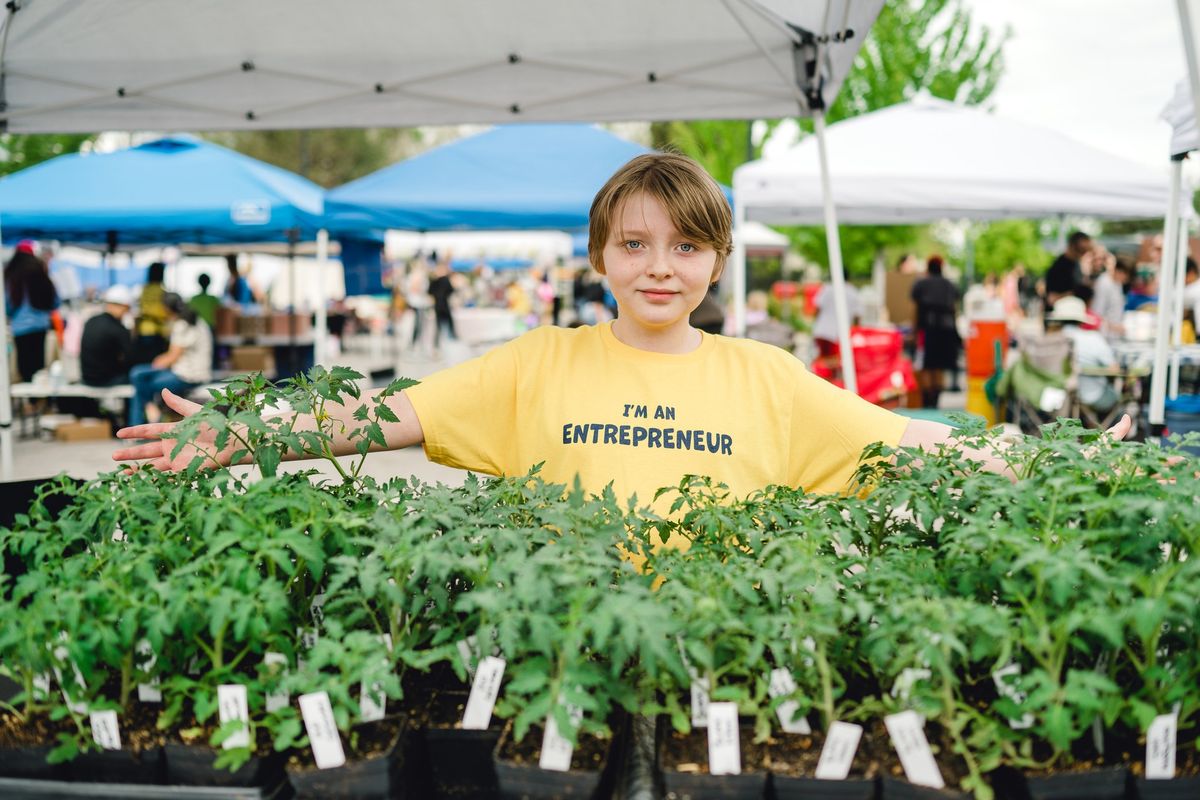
<point>1066,274</point>
<point>106,346</point>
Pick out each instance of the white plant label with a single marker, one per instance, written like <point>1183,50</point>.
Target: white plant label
<point>279,699</point>
<point>700,704</point>
<point>41,686</point>
<point>724,740</point>
<point>233,706</point>
<point>781,685</point>
<point>118,534</point>
<point>308,640</point>
<point>484,691</point>
<point>317,608</point>
<point>372,701</point>
<point>556,750</point>
<point>323,736</point>
<point>148,692</point>
<point>841,745</point>
<point>902,688</point>
<point>908,737</point>
<point>106,732</point>
<point>1004,680</point>
<point>1160,747</point>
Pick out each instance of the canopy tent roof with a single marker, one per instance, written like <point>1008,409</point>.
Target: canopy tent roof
<point>228,64</point>
<point>172,190</point>
<point>1180,114</point>
<point>929,159</point>
<point>539,176</point>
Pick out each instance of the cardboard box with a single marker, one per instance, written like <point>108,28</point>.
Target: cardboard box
<point>252,326</point>
<point>251,358</point>
<point>280,324</point>
<point>227,321</point>
<point>897,294</point>
<point>83,430</point>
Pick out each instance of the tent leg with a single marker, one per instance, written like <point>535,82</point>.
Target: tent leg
<point>322,325</point>
<point>739,268</point>
<point>836,271</point>
<point>1166,275</point>
<point>6,445</point>
<point>1176,307</point>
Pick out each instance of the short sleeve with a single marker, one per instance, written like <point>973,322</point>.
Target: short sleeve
<point>830,429</point>
<point>468,412</point>
<point>183,335</point>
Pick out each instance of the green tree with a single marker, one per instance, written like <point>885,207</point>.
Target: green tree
<point>328,157</point>
<point>1007,242</point>
<point>21,150</point>
<point>915,45</point>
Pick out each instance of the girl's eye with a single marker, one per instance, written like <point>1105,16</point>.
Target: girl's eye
<point>687,248</point>
<point>633,244</point>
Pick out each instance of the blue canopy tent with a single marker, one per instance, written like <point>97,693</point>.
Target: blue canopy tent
<point>511,177</point>
<point>173,190</point>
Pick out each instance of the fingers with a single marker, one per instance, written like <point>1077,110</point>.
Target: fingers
<point>149,450</point>
<point>151,430</point>
<point>1121,429</point>
<point>180,405</point>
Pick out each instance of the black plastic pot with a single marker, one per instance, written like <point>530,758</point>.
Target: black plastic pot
<point>192,765</point>
<point>461,763</point>
<point>781,787</point>
<point>700,786</point>
<point>28,762</point>
<point>898,789</point>
<point>531,782</point>
<point>1176,789</point>
<point>117,766</point>
<point>375,778</point>
<point>1099,784</point>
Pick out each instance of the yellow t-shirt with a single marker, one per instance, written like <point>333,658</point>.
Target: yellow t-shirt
<point>745,413</point>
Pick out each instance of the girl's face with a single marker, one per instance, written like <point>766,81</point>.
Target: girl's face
<point>657,276</point>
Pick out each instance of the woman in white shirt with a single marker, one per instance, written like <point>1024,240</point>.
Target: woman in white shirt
<point>186,364</point>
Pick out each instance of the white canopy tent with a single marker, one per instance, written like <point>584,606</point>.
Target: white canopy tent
<point>226,64</point>
<point>930,159</point>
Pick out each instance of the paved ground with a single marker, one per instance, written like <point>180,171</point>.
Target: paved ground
<point>33,458</point>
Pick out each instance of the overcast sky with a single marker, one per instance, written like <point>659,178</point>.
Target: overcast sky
<point>1097,70</point>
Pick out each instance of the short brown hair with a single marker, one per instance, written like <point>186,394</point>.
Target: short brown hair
<point>691,198</point>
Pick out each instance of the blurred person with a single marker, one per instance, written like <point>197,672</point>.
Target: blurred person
<point>1108,299</point>
<point>937,334</point>
<point>1089,348</point>
<point>204,304</point>
<point>416,294</point>
<point>106,347</point>
<point>30,299</point>
<point>237,288</point>
<point>441,289</point>
<point>825,325</point>
<point>1191,295</point>
<point>186,364</point>
<point>152,324</point>
<point>1144,292</point>
<point>1067,272</point>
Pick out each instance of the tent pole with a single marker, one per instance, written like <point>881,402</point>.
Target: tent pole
<point>739,267</point>
<point>1176,307</point>
<point>836,271</point>
<point>1191,56</point>
<point>1158,378</point>
<point>319,346</point>
<point>6,445</point>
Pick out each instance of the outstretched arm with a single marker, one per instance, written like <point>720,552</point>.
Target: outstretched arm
<point>928,435</point>
<point>406,432</point>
